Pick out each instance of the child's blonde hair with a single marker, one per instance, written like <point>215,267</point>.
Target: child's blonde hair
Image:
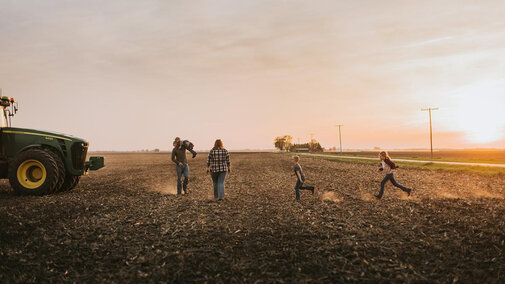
<point>384,154</point>
<point>296,158</point>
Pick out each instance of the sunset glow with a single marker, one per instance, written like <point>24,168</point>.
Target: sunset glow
<point>249,71</point>
<point>479,113</point>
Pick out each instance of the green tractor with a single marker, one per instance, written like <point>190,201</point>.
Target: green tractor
<point>38,162</point>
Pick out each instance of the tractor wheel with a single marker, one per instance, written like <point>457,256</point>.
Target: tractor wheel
<point>76,182</point>
<point>61,171</point>
<point>33,172</point>
<point>70,182</point>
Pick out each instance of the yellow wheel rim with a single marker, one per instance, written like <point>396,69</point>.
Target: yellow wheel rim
<point>31,174</point>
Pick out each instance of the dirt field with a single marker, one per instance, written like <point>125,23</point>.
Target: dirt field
<point>123,223</point>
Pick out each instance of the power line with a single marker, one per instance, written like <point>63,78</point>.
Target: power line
<point>431,129</point>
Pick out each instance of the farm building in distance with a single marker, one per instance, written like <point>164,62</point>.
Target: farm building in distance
<point>300,150</point>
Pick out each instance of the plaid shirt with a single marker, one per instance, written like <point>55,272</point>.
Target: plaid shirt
<point>220,160</point>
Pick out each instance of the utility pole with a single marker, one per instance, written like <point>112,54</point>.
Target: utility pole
<point>340,136</point>
<point>431,129</point>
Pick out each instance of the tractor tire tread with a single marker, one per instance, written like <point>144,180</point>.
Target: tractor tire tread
<point>61,172</point>
<point>70,182</point>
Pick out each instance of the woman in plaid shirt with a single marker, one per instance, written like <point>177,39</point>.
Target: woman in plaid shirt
<point>218,164</point>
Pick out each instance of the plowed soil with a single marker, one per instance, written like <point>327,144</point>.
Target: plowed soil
<point>124,224</point>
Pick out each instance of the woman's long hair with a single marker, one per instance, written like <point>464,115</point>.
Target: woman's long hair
<point>385,155</point>
<point>218,144</point>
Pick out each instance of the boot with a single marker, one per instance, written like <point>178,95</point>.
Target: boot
<point>311,188</point>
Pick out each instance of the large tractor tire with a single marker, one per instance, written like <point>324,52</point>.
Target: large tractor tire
<point>75,182</point>
<point>61,171</point>
<point>33,172</point>
<point>70,182</point>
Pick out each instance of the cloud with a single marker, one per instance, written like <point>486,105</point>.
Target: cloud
<point>252,68</point>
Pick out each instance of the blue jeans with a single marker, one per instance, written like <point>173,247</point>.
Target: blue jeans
<point>218,183</point>
<point>189,146</point>
<point>182,171</point>
<point>299,186</point>
<point>390,177</point>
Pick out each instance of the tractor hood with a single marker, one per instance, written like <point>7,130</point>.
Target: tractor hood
<point>48,134</point>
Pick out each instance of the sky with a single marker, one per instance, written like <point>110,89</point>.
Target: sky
<point>130,75</point>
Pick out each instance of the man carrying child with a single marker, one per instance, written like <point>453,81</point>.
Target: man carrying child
<point>181,163</point>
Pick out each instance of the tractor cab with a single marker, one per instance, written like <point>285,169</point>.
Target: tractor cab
<point>5,103</point>
<point>3,118</point>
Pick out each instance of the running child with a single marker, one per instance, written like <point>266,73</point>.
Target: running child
<point>187,145</point>
<point>389,167</point>
<point>300,178</point>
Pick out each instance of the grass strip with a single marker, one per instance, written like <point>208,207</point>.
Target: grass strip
<point>420,166</point>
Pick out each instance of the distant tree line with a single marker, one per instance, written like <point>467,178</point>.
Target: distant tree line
<point>284,143</point>
<point>149,151</point>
